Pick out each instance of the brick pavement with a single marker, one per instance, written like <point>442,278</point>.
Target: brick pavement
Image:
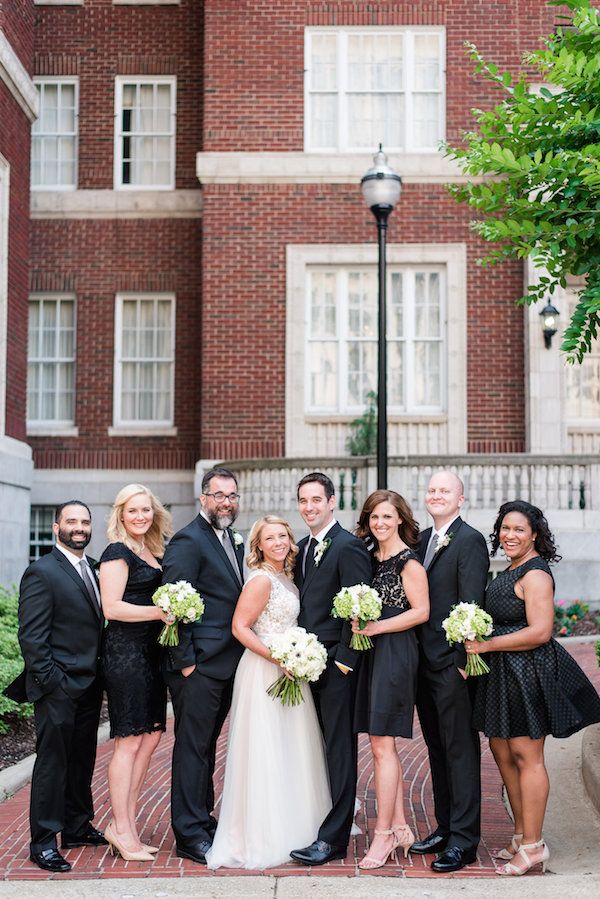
<point>154,811</point>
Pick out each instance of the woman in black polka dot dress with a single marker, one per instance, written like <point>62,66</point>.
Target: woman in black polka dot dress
<point>534,687</point>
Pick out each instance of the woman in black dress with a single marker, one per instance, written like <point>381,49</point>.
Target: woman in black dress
<point>387,677</point>
<point>130,572</point>
<point>534,687</point>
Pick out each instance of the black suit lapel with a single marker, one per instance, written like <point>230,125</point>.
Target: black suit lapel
<point>76,578</point>
<point>451,533</point>
<point>425,536</point>
<point>214,540</point>
<point>311,574</point>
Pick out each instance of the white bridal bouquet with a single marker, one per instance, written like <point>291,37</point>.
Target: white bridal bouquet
<point>303,656</point>
<point>359,601</point>
<point>183,603</point>
<point>468,621</point>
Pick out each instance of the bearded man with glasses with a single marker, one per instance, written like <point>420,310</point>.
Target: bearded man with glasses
<point>200,669</point>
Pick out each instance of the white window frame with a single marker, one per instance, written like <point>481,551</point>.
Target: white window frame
<point>66,426</point>
<point>120,82</point>
<point>342,118</point>
<point>136,426</point>
<point>408,339</point>
<point>59,80</point>
<point>35,541</point>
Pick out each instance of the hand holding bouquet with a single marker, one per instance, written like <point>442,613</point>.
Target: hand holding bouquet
<point>182,603</point>
<point>302,656</point>
<point>359,601</point>
<point>468,621</point>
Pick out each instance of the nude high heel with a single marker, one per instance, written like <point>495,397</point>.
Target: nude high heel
<point>147,848</point>
<point>368,862</point>
<point>403,837</point>
<point>505,854</point>
<point>513,869</point>
<point>115,847</point>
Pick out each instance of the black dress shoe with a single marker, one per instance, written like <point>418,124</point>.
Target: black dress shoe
<point>90,837</point>
<point>318,853</point>
<point>453,859</point>
<point>50,860</point>
<point>435,842</point>
<point>194,851</point>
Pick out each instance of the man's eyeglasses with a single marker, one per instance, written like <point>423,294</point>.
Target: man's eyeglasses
<point>221,497</point>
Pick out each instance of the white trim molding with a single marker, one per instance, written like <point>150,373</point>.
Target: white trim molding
<point>320,168</point>
<point>307,435</point>
<point>116,204</point>
<point>4,207</point>
<point>14,75</point>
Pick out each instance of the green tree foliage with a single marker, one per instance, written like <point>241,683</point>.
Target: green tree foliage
<point>362,440</point>
<point>539,156</point>
<point>11,660</point>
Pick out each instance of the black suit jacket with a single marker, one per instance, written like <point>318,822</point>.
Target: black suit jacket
<point>60,630</point>
<point>195,554</point>
<point>457,573</point>
<point>345,562</point>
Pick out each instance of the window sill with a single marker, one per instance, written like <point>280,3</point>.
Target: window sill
<point>52,431</point>
<point>439,418</point>
<point>129,431</point>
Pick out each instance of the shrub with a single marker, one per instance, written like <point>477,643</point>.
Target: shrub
<point>11,660</point>
<point>598,651</point>
<point>565,618</point>
<point>362,440</point>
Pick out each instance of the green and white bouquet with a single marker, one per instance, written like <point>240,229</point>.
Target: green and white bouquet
<point>182,603</point>
<point>359,601</point>
<point>468,621</point>
<point>303,656</point>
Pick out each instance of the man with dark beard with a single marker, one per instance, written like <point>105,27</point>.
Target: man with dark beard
<point>60,629</point>
<point>199,670</point>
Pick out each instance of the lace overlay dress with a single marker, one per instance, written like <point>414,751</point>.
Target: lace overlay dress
<point>534,692</point>
<point>137,695</point>
<point>276,789</point>
<point>387,678</point>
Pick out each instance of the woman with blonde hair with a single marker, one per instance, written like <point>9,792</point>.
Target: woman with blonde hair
<point>276,790</point>
<point>130,572</point>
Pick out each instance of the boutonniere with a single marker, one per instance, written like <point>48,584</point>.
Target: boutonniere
<point>444,541</point>
<point>238,540</point>
<point>320,550</point>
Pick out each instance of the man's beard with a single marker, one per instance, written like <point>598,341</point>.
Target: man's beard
<point>79,542</point>
<point>222,521</point>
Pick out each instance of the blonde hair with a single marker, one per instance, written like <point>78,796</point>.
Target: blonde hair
<point>159,531</point>
<point>256,558</point>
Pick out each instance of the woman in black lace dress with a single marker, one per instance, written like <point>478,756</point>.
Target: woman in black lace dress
<point>534,687</point>
<point>387,677</point>
<point>130,572</point>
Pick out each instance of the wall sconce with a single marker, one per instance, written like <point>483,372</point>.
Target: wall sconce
<point>549,316</point>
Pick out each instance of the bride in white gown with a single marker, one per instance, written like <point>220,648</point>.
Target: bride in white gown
<point>276,790</point>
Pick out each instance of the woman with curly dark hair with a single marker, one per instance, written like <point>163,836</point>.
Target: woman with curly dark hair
<point>534,687</point>
<point>387,677</point>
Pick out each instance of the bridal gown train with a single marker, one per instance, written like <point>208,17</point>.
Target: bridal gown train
<point>276,789</point>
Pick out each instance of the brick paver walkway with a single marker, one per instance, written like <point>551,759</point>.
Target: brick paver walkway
<point>154,811</point>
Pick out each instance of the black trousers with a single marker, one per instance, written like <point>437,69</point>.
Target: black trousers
<point>444,707</point>
<point>334,695</point>
<point>200,706</point>
<point>61,784</point>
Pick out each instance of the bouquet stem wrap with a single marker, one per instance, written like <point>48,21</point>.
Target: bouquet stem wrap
<point>182,602</point>
<point>302,656</point>
<point>359,601</point>
<point>468,621</point>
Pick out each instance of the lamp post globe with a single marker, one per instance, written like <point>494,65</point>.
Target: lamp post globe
<point>380,188</point>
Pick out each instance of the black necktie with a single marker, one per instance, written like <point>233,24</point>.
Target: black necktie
<point>309,559</point>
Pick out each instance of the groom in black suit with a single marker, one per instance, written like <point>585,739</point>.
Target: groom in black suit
<point>200,669</point>
<point>60,629</point>
<point>456,559</point>
<point>330,559</point>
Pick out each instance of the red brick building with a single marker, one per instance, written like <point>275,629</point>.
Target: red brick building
<point>203,271</point>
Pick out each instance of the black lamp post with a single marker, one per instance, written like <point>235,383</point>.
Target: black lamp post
<point>549,316</point>
<point>381,191</point>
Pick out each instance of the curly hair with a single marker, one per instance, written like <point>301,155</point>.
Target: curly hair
<point>544,540</point>
<point>159,531</point>
<point>256,558</point>
<point>408,529</point>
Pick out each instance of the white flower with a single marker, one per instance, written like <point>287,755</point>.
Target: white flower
<point>444,541</point>
<point>238,540</point>
<point>320,550</point>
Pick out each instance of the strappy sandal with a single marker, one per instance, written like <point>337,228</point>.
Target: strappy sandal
<point>515,870</point>
<point>368,863</point>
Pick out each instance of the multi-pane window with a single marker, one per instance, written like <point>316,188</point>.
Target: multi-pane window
<point>145,133</point>
<point>54,136</point>
<point>51,361</point>
<point>144,360</point>
<point>41,537</point>
<point>342,339</point>
<point>375,85</point>
<point>583,381</point>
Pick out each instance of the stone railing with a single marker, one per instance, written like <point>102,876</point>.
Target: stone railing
<point>559,483</point>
